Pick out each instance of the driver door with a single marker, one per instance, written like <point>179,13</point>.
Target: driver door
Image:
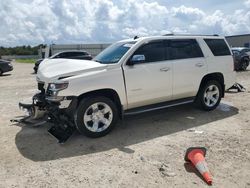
<point>149,82</point>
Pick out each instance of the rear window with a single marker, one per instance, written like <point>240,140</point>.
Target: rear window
<point>218,47</point>
<point>183,49</point>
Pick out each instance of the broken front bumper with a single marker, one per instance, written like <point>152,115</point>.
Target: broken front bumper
<point>58,114</point>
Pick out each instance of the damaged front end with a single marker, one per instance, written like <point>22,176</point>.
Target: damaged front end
<point>47,107</point>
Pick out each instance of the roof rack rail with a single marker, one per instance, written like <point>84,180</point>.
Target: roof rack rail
<point>136,37</point>
<point>169,34</point>
<point>172,34</point>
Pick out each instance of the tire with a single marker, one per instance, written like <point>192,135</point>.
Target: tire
<point>1,72</point>
<point>244,64</point>
<point>91,120</point>
<point>206,100</point>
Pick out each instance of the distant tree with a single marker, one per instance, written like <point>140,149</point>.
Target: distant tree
<point>21,50</point>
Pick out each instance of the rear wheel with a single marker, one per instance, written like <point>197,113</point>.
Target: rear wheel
<point>1,72</point>
<point>209,95</point>
<point>96,117</point>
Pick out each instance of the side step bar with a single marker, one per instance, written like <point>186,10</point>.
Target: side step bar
<point>159,106</point>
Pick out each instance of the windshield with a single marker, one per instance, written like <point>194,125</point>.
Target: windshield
<point>114,53</point>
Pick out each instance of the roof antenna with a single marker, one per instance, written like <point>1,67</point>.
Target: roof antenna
<point>136,37</point>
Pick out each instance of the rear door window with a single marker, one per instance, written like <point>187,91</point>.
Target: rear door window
<point>218,47</point>
<point>183,49</point>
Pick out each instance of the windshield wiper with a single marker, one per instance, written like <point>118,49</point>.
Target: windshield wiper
<point>106,62</point>
<point>98,61</point>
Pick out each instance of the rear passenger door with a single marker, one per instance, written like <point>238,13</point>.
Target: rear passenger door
<point>189,66</point>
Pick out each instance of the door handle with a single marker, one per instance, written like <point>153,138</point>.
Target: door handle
<point>165,69</point>
<point>199,64</point>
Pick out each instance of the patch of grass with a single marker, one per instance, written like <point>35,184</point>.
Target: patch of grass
<point>25,60</point>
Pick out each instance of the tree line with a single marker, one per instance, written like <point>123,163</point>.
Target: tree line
<point>20,50</point>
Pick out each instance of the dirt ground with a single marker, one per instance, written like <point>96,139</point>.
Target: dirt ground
<point>144,150</point>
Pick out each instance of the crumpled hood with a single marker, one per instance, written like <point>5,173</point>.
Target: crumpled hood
<point>53,69</point>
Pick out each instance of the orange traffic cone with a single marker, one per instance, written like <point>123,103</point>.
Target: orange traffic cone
<point>196,155</point>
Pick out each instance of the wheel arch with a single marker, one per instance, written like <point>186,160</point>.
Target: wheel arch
<point>107,92</point>
<point>218,76</point>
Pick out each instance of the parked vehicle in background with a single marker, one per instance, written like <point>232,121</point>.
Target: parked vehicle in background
<point>130,77</point>
<point>241,58</point>
<point>5,66</point>
<point>76,54</point>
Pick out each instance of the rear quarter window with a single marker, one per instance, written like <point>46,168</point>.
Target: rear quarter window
<point>218,47</point>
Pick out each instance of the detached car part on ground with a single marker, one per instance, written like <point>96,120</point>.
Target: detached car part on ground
<point>241,58</point>
<point>76,54</point>
<point>130,77</point>
<point>5,66</point>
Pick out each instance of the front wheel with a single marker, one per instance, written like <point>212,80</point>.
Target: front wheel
<point>96,116</point>
<point>209,95</point>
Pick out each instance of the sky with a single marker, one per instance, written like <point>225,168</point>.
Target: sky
<point>27,22</point>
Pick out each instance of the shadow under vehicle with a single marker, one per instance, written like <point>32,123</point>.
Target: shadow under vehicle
<point>36,144</point>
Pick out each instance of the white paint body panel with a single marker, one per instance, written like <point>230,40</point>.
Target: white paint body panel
<point>147,84</point>
<point>85,76</point>
<point>141,84</point>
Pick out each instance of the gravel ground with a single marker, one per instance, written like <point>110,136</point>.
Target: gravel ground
<point>143,151</point>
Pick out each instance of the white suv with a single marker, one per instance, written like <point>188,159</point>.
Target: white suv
<point>130,77</point>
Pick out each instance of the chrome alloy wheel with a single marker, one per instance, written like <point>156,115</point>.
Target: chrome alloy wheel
<point>211,95</point>
<point>98,117</point>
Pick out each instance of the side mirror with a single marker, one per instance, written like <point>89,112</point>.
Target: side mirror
<point>137,59</point>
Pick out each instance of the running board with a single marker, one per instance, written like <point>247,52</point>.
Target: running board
<point>158,106</point>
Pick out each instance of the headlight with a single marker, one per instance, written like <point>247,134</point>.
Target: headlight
<point>53,89</point>
<point>58,86</point>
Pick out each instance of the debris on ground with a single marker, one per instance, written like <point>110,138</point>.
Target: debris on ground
<point>237,87</point>
<point>166,171</point>
<point>195,131</point>
<point>142,159</point>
